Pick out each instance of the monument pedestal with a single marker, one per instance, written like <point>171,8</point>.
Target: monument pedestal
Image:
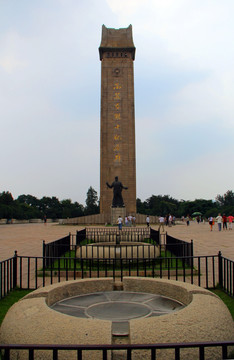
<point>116,212</point>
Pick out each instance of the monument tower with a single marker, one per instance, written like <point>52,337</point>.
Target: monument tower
<point>117,153</point>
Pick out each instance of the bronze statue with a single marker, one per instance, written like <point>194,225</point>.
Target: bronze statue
<point>117,192</point>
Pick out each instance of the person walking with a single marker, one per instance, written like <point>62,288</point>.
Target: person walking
<point>130,220</point>
<point>170,220</point>
<point>161,223</point>
<point>224,222</point>
<point>147,220</point>
<point>230,220</point>
<point>211,222</point>
<point>187,220</point>
<point>219,220</point>
<point>120,222</point>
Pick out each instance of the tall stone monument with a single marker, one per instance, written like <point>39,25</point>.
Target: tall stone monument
<point>117,53</point>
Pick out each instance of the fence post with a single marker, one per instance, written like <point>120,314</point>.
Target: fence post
<point>220,262</point>
<point>192,254</point>
<point>43,253</point>
<point>15,270</point>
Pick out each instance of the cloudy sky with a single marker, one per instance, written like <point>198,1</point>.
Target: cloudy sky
<point>50,95</point>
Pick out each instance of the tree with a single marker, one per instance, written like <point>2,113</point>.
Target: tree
<point>71,210</point>
<point>6,198</point>
<point>161,205</point>
<point>140,206</point>
<point>29,200</point>
<point>6,205</point>
<point>51,207</point>
<point>227,199</point>
<point>91,201</point>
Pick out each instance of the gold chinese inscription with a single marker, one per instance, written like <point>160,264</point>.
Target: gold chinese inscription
<point>117,86</point>
<point>117,121</point>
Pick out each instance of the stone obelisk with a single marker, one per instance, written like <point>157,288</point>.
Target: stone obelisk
<point>117,155</point>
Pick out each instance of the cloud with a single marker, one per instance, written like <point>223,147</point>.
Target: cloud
<point>50,77</point>
<point>125,7</point>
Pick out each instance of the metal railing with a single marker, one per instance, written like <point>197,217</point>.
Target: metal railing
<point>8,275</point>
<point>56,248</point>
<point>177,350</point>
<point>226,274</point>
<point>30,273</point>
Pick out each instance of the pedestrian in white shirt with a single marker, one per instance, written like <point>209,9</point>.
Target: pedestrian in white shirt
<point>161,223</point>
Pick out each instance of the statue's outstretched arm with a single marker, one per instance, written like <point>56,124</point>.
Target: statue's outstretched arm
<point>124,187</point>
<point>109,186</point>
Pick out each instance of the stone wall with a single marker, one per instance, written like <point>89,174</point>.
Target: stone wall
<point>102,219</point>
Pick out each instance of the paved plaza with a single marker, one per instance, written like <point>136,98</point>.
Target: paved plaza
<point>27,238</point>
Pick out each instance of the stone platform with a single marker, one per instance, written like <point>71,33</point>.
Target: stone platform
<point>124,250</point>
<point>116,212</point>
<point>203,318</point>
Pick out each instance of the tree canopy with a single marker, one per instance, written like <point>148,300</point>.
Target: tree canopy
<point>164,204</point>
<point>29,207</point>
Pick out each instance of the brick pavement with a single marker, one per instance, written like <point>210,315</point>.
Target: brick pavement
<point>27,238</point>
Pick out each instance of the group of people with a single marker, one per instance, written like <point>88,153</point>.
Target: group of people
<point>129,221</point>
<point>168,220</point>
<point>221,220</point>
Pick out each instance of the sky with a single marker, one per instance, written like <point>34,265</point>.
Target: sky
<point>50,81</point>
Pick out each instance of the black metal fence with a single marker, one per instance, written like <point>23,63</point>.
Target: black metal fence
<point>199,349</point>
<point>226,274</point>
<point>29,273</point>
<point>8,275</point>
<point>180,248</point>
<point>155,236</point>
<point>55,248</point>
<point>99,243</point>
<point>80,236</point>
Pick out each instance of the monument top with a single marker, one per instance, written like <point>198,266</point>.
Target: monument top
<point>117,39</point>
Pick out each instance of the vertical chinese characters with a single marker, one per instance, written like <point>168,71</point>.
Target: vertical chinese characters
<point>117,122</point>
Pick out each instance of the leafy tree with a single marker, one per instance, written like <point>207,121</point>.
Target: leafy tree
<point>140,206</point>
<point>91,201</point>
<point>227,199</point>
<point>6,198</point>
<point>51,207</point>
<point>6,205</point>
<point>200,205</point>
<point>29,200</point>
<point>71,210</point>
<point>161,205</point>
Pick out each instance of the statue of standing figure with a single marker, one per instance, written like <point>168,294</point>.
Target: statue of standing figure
<point>117,192</point>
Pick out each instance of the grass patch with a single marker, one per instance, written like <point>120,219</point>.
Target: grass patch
<point>9,300</point>
<point>228,300</point>
<point>69,262</point>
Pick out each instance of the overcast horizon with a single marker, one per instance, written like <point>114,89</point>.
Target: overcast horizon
<point>50,76</point>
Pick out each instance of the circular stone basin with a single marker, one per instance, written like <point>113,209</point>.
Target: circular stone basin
<point>126,249</point>
<point>97,314</point>
<point>117,305</point>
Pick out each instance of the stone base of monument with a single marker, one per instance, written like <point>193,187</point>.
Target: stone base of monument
<point>116,212</point>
